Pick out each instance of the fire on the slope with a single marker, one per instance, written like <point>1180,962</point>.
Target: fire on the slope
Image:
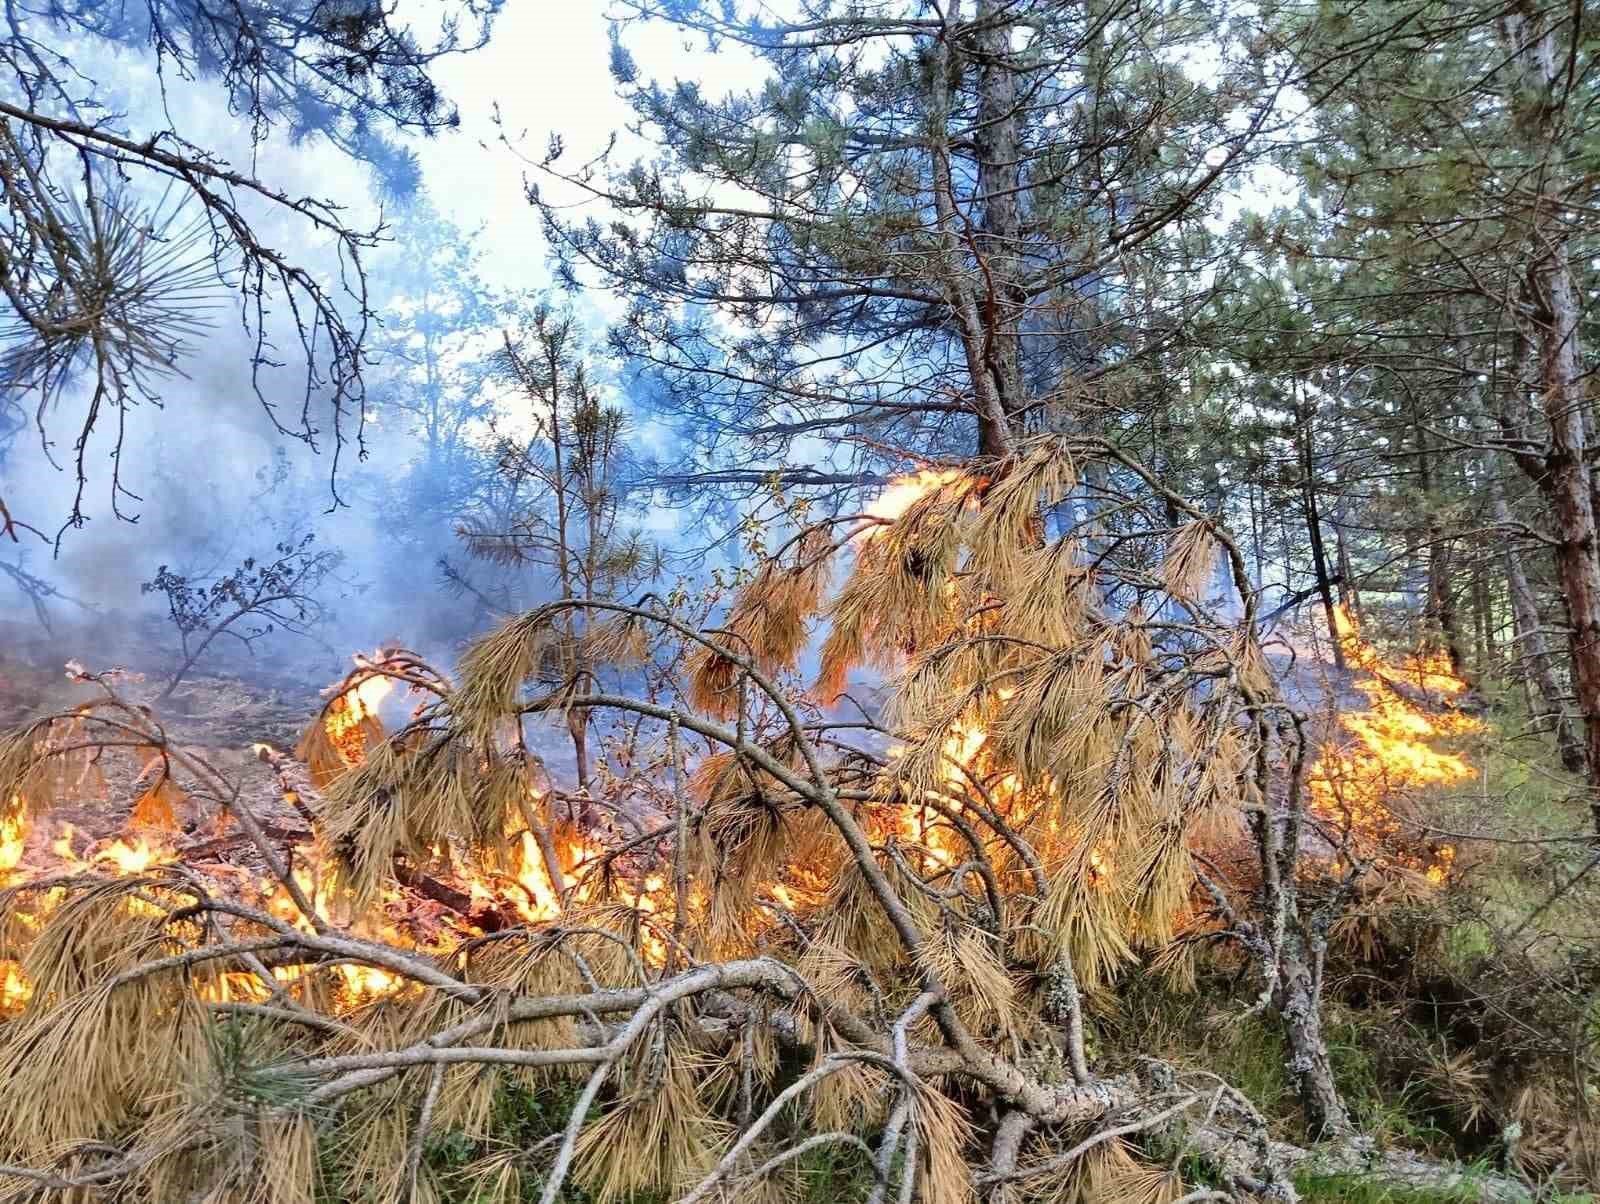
<point>1382,757</point>
<point>36,851</point>
<point>1384,754</point>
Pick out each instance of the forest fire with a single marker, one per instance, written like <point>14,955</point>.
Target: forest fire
<point>969,765</point>
<point>523,889</point>
<point>1387,752</point>
<point>13,837</point>
<point>864,517</point>
<point>436,887</point>
<point>1361,782</point>
<point>901,493</point>
<point>348,718</point>
<point>450,898</point>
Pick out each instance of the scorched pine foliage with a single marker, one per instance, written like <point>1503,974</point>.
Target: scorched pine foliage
<point>820,932</point>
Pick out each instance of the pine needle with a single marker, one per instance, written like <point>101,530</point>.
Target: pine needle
<point>1191,559</point>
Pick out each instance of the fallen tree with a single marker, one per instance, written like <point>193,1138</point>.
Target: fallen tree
<point>868,935</point>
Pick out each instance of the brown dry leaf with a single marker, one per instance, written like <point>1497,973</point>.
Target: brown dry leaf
<point>157,807</point>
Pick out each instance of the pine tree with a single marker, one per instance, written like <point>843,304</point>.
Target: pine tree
<point>556,506</point>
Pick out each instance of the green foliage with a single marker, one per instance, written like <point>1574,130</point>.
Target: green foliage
<point>1385,1103</point>
<point>246,1057</point>
<point>1208,1027</point>
<point>1539,818</point>
<point>1354,1188</point>
<point>1347,1188</point>
<point>832,1175</point>
<point>522,1118</point>
<point>1377,1055</point>
<point>527,1119</point>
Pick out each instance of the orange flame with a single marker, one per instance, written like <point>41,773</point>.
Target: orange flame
<point>543,903</point>
<point>902,493</point>
<point>130,859</point>
<point>355,707</point>
<point>13,838</point>
<point>15,990</point>
<point>1389,752</point>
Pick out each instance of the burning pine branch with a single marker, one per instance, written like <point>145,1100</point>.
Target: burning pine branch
<point>891,945</point>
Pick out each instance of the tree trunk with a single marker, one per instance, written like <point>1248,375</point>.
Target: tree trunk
<point>1298,1005</point>
<point>1349,596</point>
<point>999,192</point>
<point>1319,555</point>
<point>578,728</point>
<point>1441,610</point>
<point>1482,621</point>
<point>1290,950</point>
<point>1348,592</point>
<point>1556,312</point>
<point>956,244</point>
<point>1530,642</point>
<point>1574,506</point>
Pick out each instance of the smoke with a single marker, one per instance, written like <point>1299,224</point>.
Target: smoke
<point>210,479</point>
<point>207,479</point>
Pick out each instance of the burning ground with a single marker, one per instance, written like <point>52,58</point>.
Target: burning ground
<point>362,940</point>
<point>125,808</point>
<point>1380,758</point>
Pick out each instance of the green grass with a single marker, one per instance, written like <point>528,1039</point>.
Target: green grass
<point>1361,1189</point>
<point>1494,909</point>
<point>1208,1027</point>
<point>1354,1188</point>
<point>1212,1028</point>
<point>1384,1104</point>
<point>522,1117</point>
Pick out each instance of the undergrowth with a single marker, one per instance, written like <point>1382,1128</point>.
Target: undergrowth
<point>1423,1064</point>
<point>1358,1189</point>
<point>525,1123</point>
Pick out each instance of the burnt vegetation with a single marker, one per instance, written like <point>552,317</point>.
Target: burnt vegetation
<point>1019,668</point>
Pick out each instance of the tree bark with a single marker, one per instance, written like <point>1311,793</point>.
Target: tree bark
<point>1532,649</point>
<point>955,242</point>
<point>999,182</point>
<point>1554,313</point>
<point>1298,1003</point>
<point>1289,949</point>
<point>1482,620</point>
<point>1319,555</point>
<point>1441,610</point>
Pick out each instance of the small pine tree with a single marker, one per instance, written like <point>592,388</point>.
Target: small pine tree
<point>556,503</point>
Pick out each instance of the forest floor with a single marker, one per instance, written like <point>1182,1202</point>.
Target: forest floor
<point>1447,1008</point>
